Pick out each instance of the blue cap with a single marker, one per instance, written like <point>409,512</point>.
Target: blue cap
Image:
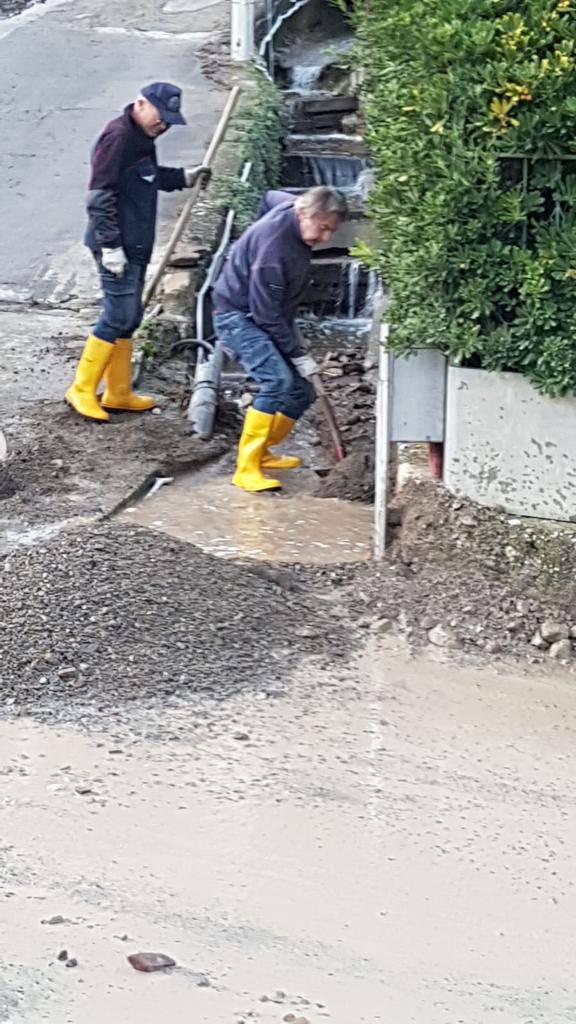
<point>166,98</point>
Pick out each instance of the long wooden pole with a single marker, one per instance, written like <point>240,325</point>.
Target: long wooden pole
<point>194,192</point>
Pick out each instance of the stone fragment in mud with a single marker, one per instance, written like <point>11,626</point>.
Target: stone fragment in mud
<point>553,631</point>
<point>67,673</point>
<point>148,962</point>
<point>492,647</point>
<point>443,636</point>
<point>538,641</point>
<point>382,625</point>
<point>561,650</point>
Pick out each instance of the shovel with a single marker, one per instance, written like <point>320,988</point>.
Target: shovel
<point>330,417</point>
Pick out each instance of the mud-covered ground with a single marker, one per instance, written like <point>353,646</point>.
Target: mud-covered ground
<point>107,615</point>
<point>468,579</point>
<point>8,8</point>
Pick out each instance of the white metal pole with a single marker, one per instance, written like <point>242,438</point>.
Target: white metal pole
<point>382,454</point>
<point>242,30</point>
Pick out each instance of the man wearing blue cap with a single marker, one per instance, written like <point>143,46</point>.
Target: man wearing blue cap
<point>122,203</point>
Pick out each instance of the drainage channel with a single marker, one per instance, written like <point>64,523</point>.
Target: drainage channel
<point>307,522</point>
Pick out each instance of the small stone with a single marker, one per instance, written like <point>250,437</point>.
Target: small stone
<point>538,641</point>
<point>156,411</point>
<point>552,631</point>
<point>428,622</point>
<point>381,626</point>
<point>522,607</point>
<point>67,673</point>
<point>443,636</point>
<point>573,632</point>
<point>242,737</point>
<point>561,650</point>
<point>84,790</point>
<point>468,521</point>
<point>57,919</point>
<point>492,647</point>
<point>514,625</point>
<point>63,955</point>
<point>289,1018</point>
<point>148,962</point>
<point>72,962</point>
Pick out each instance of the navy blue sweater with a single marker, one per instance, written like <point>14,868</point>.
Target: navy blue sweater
<point>123,190</point>
<point>267,272</point>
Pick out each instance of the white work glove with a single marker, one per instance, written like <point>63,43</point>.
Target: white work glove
<point>115,261</point>
<point>303,343</point>
<point>306,366</point>
<point>192,174</point>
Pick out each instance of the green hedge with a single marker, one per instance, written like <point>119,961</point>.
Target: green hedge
<point>471,116</point>
<point>257,133</point>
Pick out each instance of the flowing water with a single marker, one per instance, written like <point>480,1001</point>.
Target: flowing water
<point>304,77</point>
<point>285,527</point>
<point>339,171</point>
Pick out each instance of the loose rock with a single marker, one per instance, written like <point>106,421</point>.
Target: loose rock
<point>443,636</point>
<point>561,650</point>
<point>148,962</point>
<point>539,641</point>
<point>67,674</point>
<point>553,631</point>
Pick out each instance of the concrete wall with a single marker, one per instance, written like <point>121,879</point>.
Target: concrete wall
<point>507,445</point>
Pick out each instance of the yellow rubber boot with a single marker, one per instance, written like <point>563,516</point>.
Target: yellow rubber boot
<point>82,394</point>
<point>281,427</point>
<point>118,394</point>
<point>249,476</point>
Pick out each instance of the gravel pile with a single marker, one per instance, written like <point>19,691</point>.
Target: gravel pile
<point>112,614</point>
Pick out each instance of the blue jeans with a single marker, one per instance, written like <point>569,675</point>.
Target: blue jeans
<point>122,302</point>
<point>281,387</point>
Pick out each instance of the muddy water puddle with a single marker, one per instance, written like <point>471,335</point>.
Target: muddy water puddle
<point>291,526</point>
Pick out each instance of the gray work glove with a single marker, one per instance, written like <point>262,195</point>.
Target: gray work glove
<point>115,261</point>
<point>192,174</point>
<point>306,366</point>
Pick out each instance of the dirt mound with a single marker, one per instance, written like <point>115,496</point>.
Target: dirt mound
<point>110,614</point>
<point>61,465</point>
<point>352,479</point>
<point>488,580</point>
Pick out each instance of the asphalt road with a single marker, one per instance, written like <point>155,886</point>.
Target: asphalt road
<point>388,842</point>
<point>66,68</point>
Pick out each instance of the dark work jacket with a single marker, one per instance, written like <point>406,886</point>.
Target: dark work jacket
<point>123,191</point>
<point>267,272</point>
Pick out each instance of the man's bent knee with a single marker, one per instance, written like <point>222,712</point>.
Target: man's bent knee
<point>298,398</point>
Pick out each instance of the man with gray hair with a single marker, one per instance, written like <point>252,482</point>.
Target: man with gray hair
<point>255,300</point>
<point>122,202</point>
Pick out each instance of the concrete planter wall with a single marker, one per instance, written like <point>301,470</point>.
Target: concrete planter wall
<point>506,445</point>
